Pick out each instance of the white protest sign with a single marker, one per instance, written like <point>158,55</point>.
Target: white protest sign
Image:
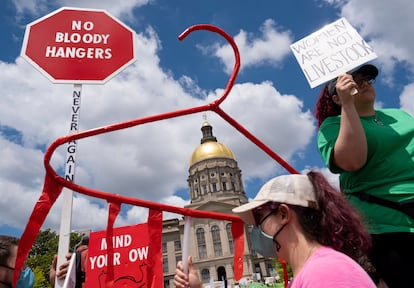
<point>331,51</point>
<point>70,280</point>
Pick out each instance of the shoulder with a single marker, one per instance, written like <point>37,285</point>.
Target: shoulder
<point>322,270</point>
<point>82,249</point>
<point>330,126</point>
<point>394,112</point>
<point>331,120</point>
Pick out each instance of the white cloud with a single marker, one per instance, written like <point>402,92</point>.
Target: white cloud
<point>150,161</point>
<point>382,23</point>
<point>270,48</point>
<point>406,99</point>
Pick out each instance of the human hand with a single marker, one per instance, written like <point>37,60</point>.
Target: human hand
<point>61,272</point>
<point>346,88</point>
<point>190,280</point>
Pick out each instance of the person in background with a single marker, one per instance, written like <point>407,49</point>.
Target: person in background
<point>8,255</point>
<point>372,150</point>
<point>81,258</point>
<point>305,221</point>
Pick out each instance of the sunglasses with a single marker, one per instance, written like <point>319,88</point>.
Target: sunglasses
<point>369,79</point>
<point>261,213</point>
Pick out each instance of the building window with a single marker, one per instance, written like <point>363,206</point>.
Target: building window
<point>201,243</point>
<point>230,237</point>
<point>224,186</point>
<point>233,186</point>
<point>204,189</point>
<point>166,283</point>
<point>177,245</point>
<point>212,174</point>
<point>214,186</point>
<point>215,234</point>
<point>164,247</point>
<point>205,275</point>
<point>178,258</point>
<point>165,264</point>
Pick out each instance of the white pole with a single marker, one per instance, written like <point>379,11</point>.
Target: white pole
<point>186,242</point>
<point>66,215</point>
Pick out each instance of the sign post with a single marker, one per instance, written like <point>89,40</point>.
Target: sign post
<point>78,46</point>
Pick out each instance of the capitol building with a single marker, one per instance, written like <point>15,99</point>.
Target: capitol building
<point>215,184</point>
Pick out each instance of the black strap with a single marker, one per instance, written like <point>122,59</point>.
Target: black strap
<point>406,207</point>
<point>377,200</point>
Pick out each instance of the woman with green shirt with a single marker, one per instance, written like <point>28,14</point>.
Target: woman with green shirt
<point>373,151</point>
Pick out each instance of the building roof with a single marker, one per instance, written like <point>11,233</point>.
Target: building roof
<point>209,147</point>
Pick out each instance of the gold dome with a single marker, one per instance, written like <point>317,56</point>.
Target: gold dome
<point>211,150</point>
<point>209,147</point>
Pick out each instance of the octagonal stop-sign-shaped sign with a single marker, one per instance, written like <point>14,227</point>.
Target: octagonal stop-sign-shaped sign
<point>72,45</point>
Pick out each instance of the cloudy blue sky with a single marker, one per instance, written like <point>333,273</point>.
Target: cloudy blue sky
<point>271,98</point>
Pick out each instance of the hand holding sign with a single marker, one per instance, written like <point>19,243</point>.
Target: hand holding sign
<point>331,51</point>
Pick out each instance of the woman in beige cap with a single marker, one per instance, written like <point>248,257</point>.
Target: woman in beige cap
<point>305,221</point>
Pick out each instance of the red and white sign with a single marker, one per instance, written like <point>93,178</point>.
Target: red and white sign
<point>130,257</point>
<point>77,46</point>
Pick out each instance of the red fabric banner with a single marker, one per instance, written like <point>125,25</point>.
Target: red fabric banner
<point>237,231</point>
<point>154,271</point>
<point>51,191</point>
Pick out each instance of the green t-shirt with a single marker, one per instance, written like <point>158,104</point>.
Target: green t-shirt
<point>388,172</point>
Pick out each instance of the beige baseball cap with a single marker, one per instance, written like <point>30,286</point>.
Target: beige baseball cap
<point>294,189</point>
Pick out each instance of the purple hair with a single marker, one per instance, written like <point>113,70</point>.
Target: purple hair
<point>336,223</point>
<point>325,106</point>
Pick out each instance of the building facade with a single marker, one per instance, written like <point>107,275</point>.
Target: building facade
<point>215,184</point>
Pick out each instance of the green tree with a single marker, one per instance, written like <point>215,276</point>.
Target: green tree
<point>279,270</point>
<point>40,280</point>
<point>41,255</point>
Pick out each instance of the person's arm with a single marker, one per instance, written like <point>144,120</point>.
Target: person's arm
<point>182,280</point>
<point>61,273</point>
<point>350,151</point>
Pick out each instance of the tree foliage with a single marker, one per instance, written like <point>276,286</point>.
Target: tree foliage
<point>41,255</point>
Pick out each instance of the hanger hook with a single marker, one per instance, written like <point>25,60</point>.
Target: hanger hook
<point>236,67</point>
